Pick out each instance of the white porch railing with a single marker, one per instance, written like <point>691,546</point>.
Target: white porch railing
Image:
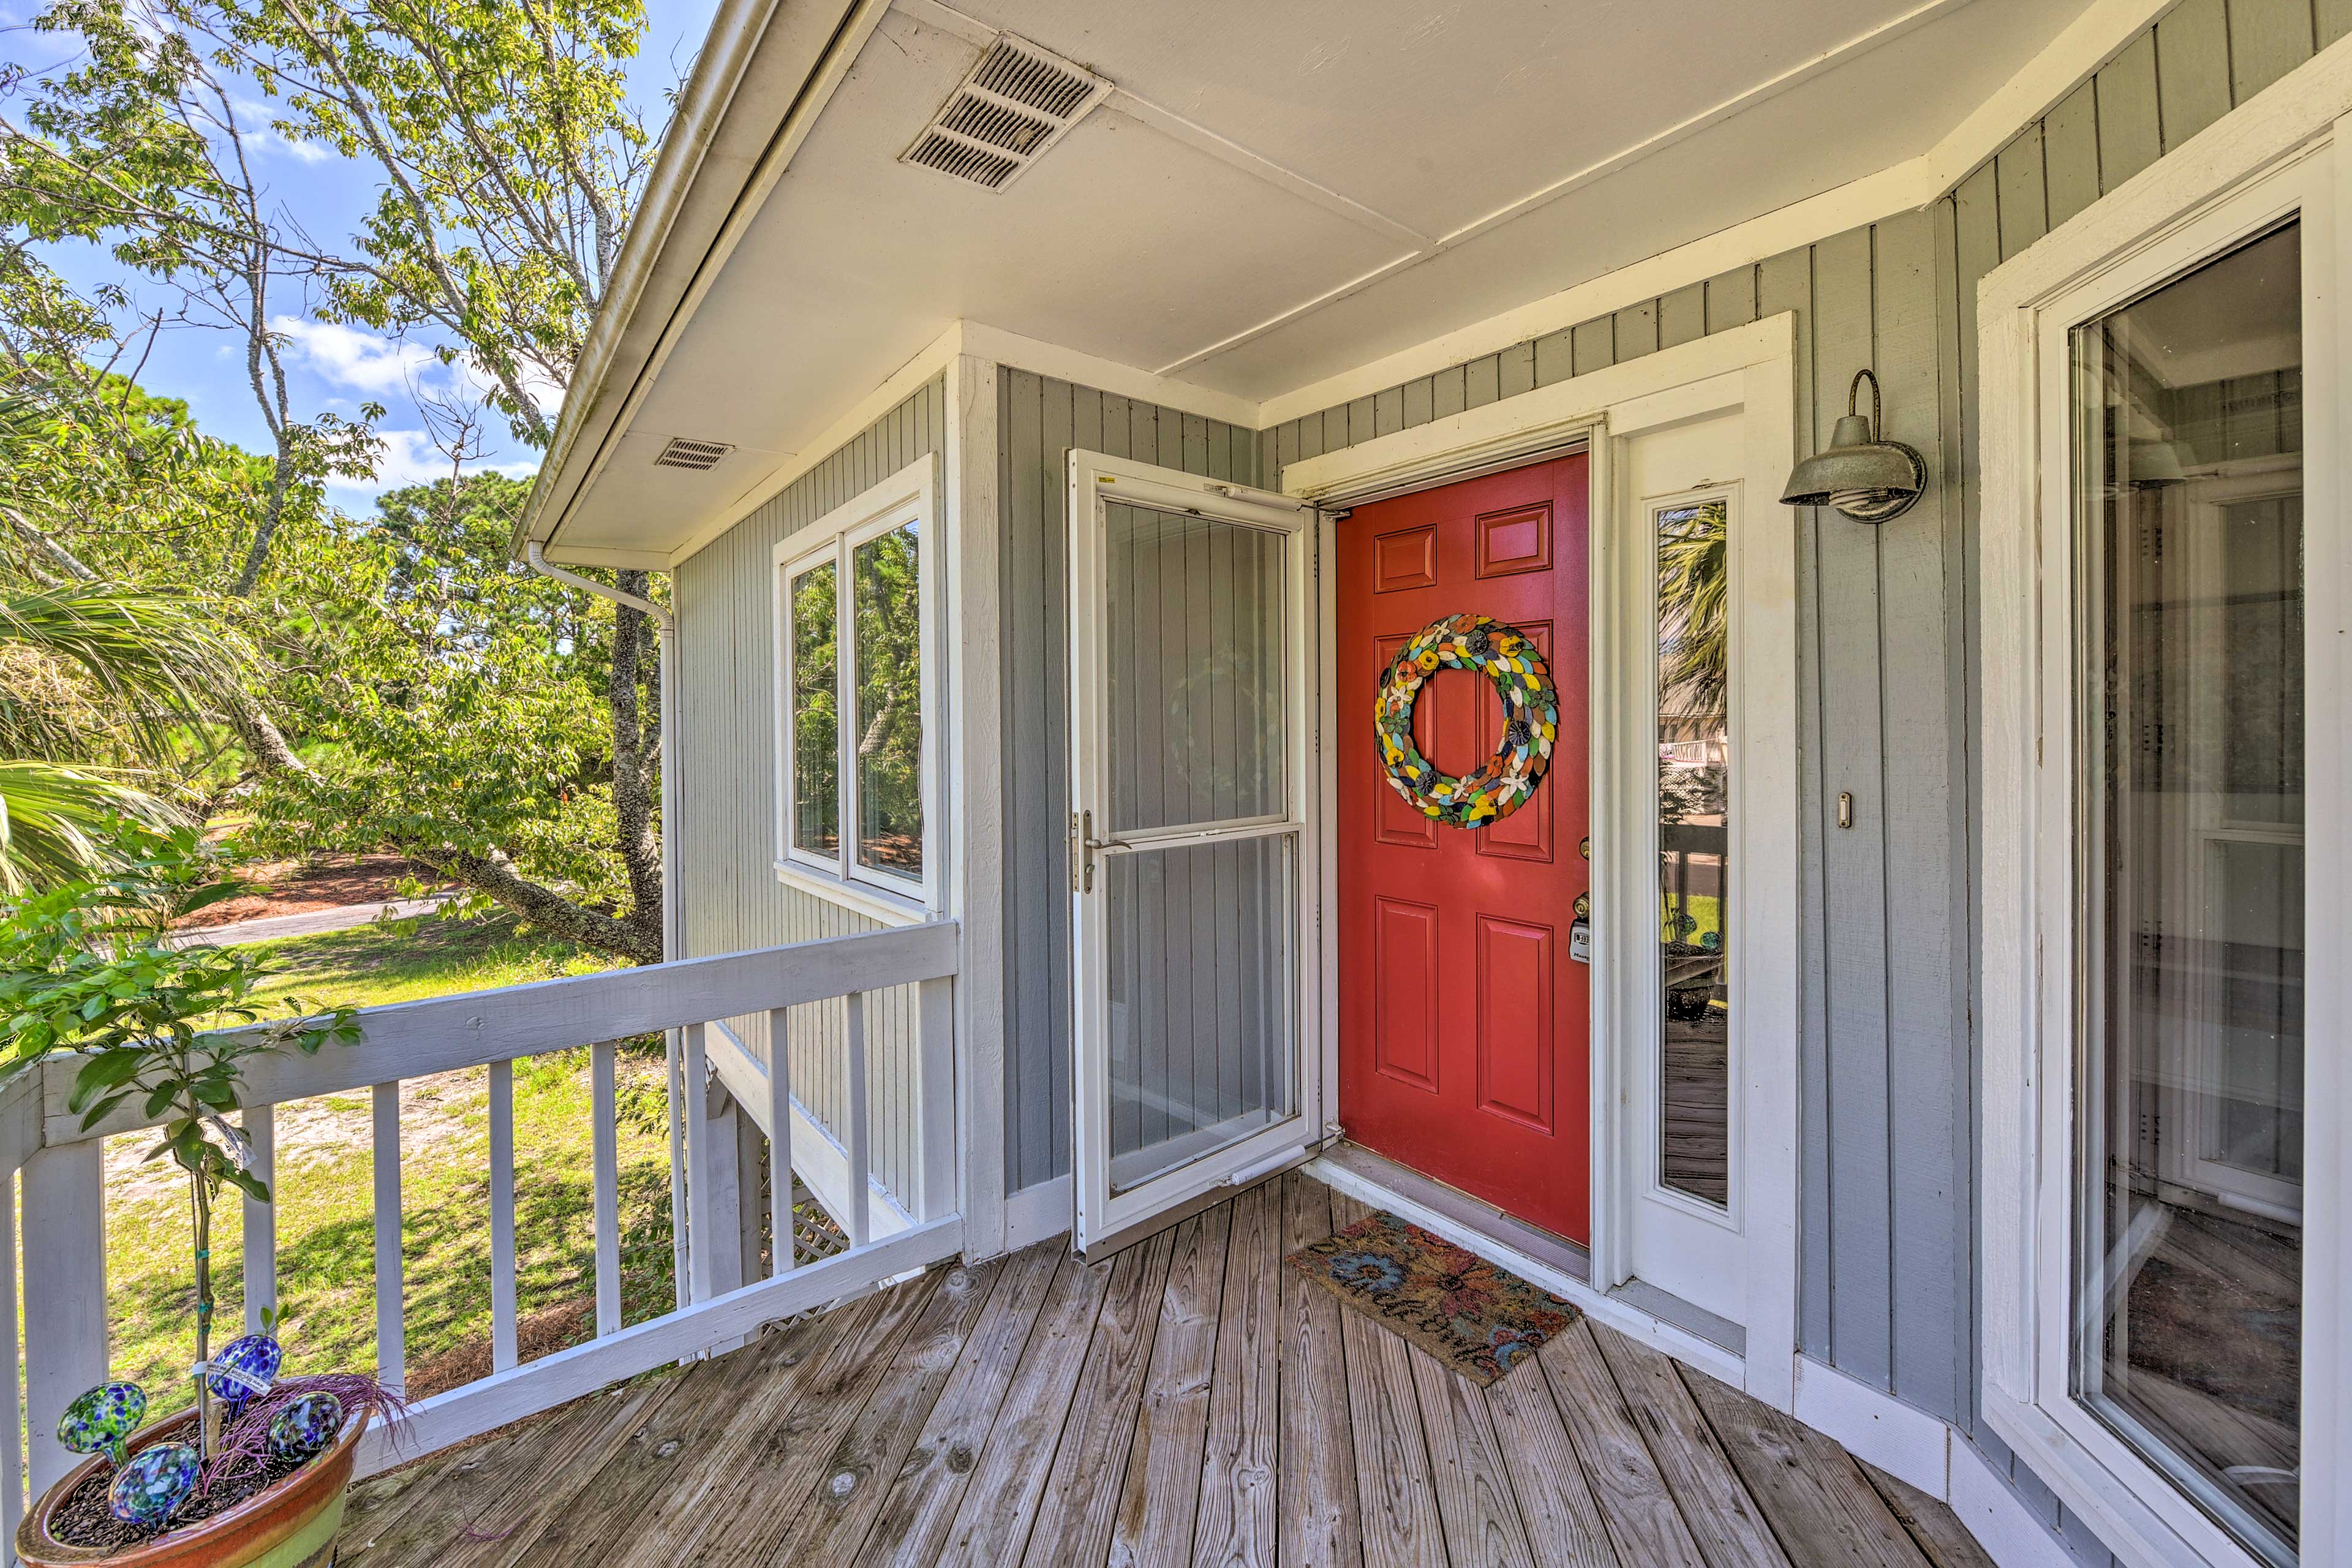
<point>64,1349</point>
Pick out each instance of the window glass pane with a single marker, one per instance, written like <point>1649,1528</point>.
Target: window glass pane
<point>2188,1322</point>
<point>1693,843</point>
<point>1199,721</point>
<point>816,714</point>
<point>1202,994</point>
<point>888,721</point>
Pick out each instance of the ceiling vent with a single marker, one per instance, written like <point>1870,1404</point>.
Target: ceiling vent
<point>1017,102</point>
<point>682,453</point>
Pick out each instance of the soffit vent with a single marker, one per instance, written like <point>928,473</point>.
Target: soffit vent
<point>682,453</point>
<point>1017,102</point>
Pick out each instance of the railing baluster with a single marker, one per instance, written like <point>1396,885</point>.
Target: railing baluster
<point>502,1231</point>
<point>65,1318</point>
<point>700,1242</point>
<point>12,1408</point>
<point>935,1101</point>
<point>606,1114</point>
<point>261,1219</point>
<point>860,1131</point>
<point>391,1322</point>
<point>779,1139</point>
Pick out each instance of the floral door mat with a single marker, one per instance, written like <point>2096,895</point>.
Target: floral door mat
<point>1478,1319</point>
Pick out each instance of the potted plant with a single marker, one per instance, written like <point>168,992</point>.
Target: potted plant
<point>253,1474</point>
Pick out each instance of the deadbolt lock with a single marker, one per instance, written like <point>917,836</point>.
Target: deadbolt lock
<point>1585,849</point>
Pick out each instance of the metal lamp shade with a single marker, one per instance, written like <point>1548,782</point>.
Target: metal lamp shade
<point>1859,474</point>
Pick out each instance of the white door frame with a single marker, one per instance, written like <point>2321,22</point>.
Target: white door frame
<point>1750,368</point>
<point>1104,1219</point>
<point>2282,152</point>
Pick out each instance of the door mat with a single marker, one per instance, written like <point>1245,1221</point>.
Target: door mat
<point>1478,1319</point>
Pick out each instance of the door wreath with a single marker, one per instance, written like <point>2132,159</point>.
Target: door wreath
<point>1504,655</point>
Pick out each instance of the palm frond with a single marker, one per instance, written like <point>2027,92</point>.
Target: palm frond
<point>165,658</point>
<point>56,821</point>
<point>1693,624</point>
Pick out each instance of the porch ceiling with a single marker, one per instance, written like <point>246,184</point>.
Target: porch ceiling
<point>1272,194</point>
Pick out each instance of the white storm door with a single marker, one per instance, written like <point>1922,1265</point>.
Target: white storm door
<point>1192,793</point>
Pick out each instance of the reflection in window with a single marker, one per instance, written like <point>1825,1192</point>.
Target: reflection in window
<point>889,719</point>
<point>2189,1261</point>
<point>816,714</point>
<point>1694,816</point>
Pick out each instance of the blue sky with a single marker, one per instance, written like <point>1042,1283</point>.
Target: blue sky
<point>331,366</point>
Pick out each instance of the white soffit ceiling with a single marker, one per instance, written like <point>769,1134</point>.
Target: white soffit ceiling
<point>1274,194</point>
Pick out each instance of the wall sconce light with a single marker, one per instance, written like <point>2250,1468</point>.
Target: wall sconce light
<point>1868,479</point>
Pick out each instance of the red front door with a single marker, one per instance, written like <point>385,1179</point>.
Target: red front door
<point>1463,1043</point>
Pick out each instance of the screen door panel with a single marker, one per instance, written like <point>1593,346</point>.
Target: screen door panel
<point>1189,748</point>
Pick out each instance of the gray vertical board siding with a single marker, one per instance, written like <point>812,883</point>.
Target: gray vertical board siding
<point>1041,420</point>
<point>2268,39</point>
<point>1682,316</point>
<point>2332,18</point>
<point>1923,734</point>
<point>2131,128</point>
<point>1731,299</point>
<point>2024,199</point>
<point>1593,347</point>
<point>1635,330</point>
<point>2192,69</point>
<point>2070,154</point>
<point>726,703</point>
<point>1845,683</point>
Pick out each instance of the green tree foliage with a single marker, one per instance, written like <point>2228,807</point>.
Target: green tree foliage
<point>454,701</point>
<point>439,701</point>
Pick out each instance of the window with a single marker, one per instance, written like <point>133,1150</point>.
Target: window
<point>1693,802</point>
<point>2165,710</point>
<point>855,742</point>
<point>2189,1265</point>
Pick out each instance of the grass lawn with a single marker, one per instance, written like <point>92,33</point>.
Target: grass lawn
<point>326,1269</point>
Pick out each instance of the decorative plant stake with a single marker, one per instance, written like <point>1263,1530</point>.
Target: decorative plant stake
<point>1505,655</point>
<point>98,1421</point>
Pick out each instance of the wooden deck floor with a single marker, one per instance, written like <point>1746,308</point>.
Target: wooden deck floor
<point>1190,1401</point>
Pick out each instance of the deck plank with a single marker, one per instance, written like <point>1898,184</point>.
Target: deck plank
<point>1556,1503</point>
<point>1192,1399</point>
<point>1475,1500</point>
<point>565,1454</point>
<point>999,1505</point>
<point>1819,1503</point>
<point>1644,1522</point>
<point>1082,1493</point>
<point>852,1482</point>
<point>912,1524</point>
<point>687,1455</point>
<point>1935,1529</point>
<point>1237,1523</point>
<point>671,1452</point>
<point>773,1466</point>
<point>1396,1495</point>
<point>1318,1525</point>
<point>408,1515</point>
<point>1160,1495</point>
<point>1723,1518</point>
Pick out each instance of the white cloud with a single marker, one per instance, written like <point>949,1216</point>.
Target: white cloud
<point>543,390</point>
<point>365,362</point>
<point>409,457</point>
<point>361,360</point>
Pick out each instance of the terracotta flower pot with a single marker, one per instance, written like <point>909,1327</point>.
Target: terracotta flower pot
<point>289,1525</point>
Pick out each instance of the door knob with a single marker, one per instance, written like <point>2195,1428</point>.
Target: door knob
<point>1583,906</point>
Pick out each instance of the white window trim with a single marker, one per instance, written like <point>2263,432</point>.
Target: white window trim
<point>909,495</point>
<point>2276,156</point>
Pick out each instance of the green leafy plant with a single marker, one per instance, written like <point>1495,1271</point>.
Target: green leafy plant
<point>89,968</point>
